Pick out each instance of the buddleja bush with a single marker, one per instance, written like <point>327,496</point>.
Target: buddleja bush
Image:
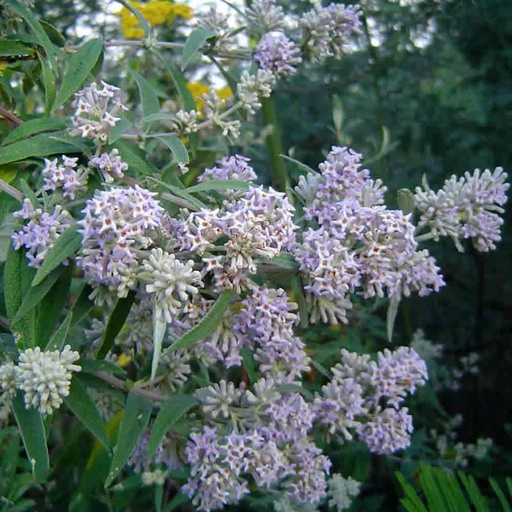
<point>165,317</point>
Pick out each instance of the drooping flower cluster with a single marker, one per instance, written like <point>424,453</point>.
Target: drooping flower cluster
<point>364,398</point>
<point>116,224</point>
<point>64,176</point>
<point>41,232</point>
<point>97,109</point>
<point>360,245</point>
<point>465,207</point>
<point>277,54</point>
<point>44,377</point>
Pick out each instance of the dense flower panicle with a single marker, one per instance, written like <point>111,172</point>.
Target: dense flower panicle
<point>177,369</point>
<point>97,109</point>
<point>396,374</point>
<point>364,398</point>
<point>387,431</point>
<point>265,16</point>
<point>217,399</point>
<point>265,323</point>
<point>327,30</point>
<point>42,231</point>
<point>277,54</point>
<point>229,168</point>
<point>466,207</point>
<point>64,176</point>
<point>116,223</point>
<point>45,377</point>
<point>342,491</point>
<point>169,282</point>
<point>253,87</point>
<point>220,23</point>
<point>7,381</point>
<point>111,165</point>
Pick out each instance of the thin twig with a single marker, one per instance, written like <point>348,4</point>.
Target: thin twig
<point>136,389</point>
<point>9,116</point>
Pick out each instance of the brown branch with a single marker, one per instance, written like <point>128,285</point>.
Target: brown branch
<point>9,116</point>
<point>136,389</point>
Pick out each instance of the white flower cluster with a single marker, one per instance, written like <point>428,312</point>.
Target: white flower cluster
<point>44,377</point>
<point>253,87</point>
<point>342,490</point>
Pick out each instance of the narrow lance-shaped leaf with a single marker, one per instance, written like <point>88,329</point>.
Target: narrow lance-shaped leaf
<point>150,103</point>
<point>171,411</point>
<point>207,325</point>
<point>218,185</point>
<point>391,316</point>
<point>133,423</point>
<point>36,294</point>
<point>79,66</point>
<point>115,323</point>
<point>59,338</point>
<point>194,41</point>
<point>83,407</point>
<point>30,423</point>
<point>66,245</point>
<point>50,308</point>
<point>178,149</point>
<point>159,327</point>
<point>33,127</point>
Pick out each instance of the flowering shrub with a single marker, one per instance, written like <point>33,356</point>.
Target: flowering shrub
<point>184,305</point>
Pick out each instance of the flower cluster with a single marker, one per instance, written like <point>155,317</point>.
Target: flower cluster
<point>327,30</point>
<point>364,398</point>
<point>277,54</point>
<point>359,246</point>
<point>41,232</point>
<point>466,207</point>
<point>97,109</point>
<point>64,176</point>
<point>111,165</point>
<point>44,377</point>
<point>116,224</point>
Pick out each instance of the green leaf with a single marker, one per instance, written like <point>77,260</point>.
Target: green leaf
<point>477,499</point>
<point>159,328</point>
<point>115,323</point>
<point>50,49</point>
<point>170,412</point>
<point>188,200</point>
<point>300,165</point>
<point>84,408</point>
<point>78,69</point>
<point>194,41</point>
<point>59,338</point>
<point>177,147</point>
<point>98,365</point>
<point>391,316</point>
<point>150,103</point>
<point>413,502</point>
<point>17,278</point>
<point>135,158</point>
<point>249,364</point>
<point>405,200</point>
<point>501,495</point>
<point>33,127</point>
<point>219,185</point>
<point>207,325</point>
<point>133,423</point>
<point>50,308</point>
<point>83,305</point>
<point>10,48</point>
<point>160,116</point>
<point>30,423</point>
<point>49,82</point>
<point>36,294</point>
<point>37,146</point>
<point>66,245</point>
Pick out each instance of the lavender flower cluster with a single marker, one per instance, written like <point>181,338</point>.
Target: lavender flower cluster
<point>359,245</point>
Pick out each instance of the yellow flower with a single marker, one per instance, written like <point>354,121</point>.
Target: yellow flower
<point>156,12</point>
<point>198,89</point>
